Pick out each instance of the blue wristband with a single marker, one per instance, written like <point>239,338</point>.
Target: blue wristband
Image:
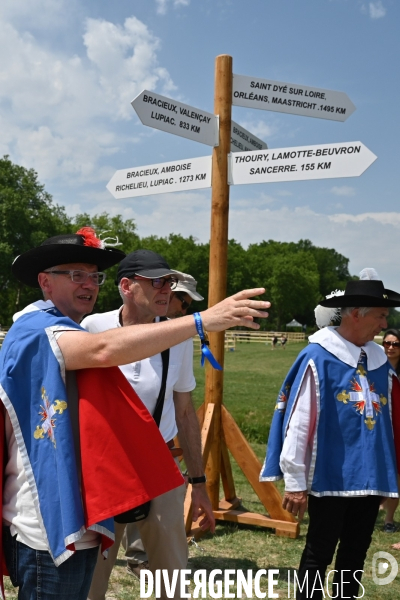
<point>205,350</point>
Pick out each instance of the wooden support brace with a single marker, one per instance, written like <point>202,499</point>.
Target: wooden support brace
<point>229,505</point>
<point>251,467</point>
<point>226,473</point>
<point>246,518</point>
<point>200,415</point>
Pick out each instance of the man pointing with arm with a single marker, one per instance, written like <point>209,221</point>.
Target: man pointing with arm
<point>42,506</point>
<point>145,281</point>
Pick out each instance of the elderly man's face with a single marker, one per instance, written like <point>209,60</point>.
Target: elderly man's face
<point>74,300</point>
<point>147,301</point>
<point>372,323</point>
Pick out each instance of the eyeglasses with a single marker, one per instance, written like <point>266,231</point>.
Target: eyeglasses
<point>387,344</point>
<point>184,303</point>
<point>97,278</point>
<point>159,282</point>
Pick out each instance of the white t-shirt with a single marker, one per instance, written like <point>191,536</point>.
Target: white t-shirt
<point>145,375</point>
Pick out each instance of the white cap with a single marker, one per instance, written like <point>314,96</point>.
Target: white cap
<point>186,284</point>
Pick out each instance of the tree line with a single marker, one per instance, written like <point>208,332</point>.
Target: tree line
<point>296,275</point>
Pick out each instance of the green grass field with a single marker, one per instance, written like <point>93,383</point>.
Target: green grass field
<point>253,375</point>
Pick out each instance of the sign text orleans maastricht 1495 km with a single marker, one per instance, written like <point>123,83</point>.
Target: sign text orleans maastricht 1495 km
<point>291,98</point>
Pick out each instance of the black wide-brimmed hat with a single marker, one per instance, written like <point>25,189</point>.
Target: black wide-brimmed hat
<point>80,247</point>
<point>365,292</point>
<point>145,263</point>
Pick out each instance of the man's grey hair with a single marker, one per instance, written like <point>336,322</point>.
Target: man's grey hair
<point>121,293</point>
<point>363,310</point>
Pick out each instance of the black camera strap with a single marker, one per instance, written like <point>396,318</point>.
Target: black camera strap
<point>161,396</point>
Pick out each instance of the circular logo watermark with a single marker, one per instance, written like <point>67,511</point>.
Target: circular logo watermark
<point>384,568</point>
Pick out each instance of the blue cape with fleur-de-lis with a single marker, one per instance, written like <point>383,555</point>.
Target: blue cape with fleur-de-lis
<point>352,448</point>
<point>32,389</point>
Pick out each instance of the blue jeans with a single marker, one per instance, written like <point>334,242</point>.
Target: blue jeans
<point>37,577</point>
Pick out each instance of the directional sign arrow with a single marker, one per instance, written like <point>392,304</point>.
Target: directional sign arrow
<point>242,140</point>
<point>169,115</point>
<point>176,176</point>
<point>291,98</point>
<point>348,159</point>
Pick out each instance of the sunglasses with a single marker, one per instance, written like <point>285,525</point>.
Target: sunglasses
<point>387,344</point>
<point>182,300</point>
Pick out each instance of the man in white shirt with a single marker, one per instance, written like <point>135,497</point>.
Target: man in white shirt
<point>145,282</point>
<point>180,301</point>
<point>44,344</point>
<point>332,436</point>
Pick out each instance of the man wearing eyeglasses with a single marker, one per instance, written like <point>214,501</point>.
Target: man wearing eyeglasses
<point>71,419</point>
<point>146,284</point>
<point>180,300</point>
<point>183,295</point>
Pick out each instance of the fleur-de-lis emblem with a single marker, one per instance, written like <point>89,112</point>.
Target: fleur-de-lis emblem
<point>38,434</point>
<point>369,423</point>
<point>361,371</point>
<point>60,406</point>
<point>343,397</point>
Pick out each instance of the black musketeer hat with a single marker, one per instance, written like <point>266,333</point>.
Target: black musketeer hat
<point>80,247</point>
<point>369,291</point>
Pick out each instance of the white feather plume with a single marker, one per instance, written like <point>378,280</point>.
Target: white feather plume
<point>325,316</point>
<point>369,273</point>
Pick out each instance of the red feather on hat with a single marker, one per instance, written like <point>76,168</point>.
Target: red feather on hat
<point>90,237</point>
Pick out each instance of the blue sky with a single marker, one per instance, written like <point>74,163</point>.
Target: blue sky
<point>69,70</point>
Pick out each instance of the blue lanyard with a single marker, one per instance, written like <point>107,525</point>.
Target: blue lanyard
<point>205,350</point>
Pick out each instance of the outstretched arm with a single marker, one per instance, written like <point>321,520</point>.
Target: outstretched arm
<point>124,345</point>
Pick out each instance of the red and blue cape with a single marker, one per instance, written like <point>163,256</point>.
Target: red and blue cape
<point>124,460</point>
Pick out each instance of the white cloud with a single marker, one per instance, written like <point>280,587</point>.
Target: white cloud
<point>162,5</point>
<point>38,13</point>
<point>388,218</point>
<point>58,112</point>
<point>261,129</point>
<point>125,61</point>
<point>375,10</point>
<point>343,190</point>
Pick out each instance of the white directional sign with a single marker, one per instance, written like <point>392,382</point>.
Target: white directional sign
<point>176,176</point>
<point>291,98</point>
<point>348,159</point>
<point>169,115</point>
<point>242,140</point>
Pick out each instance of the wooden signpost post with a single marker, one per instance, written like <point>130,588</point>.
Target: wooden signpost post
<point>219,430</point>
<point>256,164</point>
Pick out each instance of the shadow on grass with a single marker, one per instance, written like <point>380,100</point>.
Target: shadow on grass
<point>209,563</point>
<point>120,562</point>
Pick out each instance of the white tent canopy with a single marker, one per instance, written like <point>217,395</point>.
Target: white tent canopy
<point>294,323</point>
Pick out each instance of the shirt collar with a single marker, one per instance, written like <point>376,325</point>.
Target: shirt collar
<point>346,351</point>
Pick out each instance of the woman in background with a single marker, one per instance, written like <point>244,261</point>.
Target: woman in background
<point>391,345</point>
